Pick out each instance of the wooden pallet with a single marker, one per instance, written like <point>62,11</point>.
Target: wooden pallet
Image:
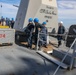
<point>49,48</point>
<point>5,44</point>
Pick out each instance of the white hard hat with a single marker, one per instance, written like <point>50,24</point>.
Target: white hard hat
<point>61,22</point>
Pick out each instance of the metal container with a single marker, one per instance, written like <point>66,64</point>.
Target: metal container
<point>7,36</point>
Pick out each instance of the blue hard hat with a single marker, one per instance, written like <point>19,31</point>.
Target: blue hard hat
<point>44,23</point>
<point>30,20</point>
<point>36,20</point>
<point>2,17</point>
<point>12,18</point>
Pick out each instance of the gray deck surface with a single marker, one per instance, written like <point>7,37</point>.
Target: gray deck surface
<point>18,60</point>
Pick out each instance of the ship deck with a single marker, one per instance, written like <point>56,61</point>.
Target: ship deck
<point>18,60</point>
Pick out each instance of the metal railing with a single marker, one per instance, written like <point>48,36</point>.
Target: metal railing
<point>39,39</point>
<point>72,45</point>
<point>71,64</point>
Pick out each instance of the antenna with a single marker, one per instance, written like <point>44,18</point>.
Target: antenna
<point>15,6</point>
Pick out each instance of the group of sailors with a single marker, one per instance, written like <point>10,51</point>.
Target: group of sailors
<point>7,22</point>
<point>36,27</point>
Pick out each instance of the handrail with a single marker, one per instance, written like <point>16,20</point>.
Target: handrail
<point>64,57</point>
<point>59,34</point>
<point>74,43</point>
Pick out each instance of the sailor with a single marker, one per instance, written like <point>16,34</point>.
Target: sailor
<point>38,26</point>
<point>29,30</point>
<point>0,23</point>
<point>12,23</point>
<point>61,31</point>
<point>7,22</point>
<point>43,35</point>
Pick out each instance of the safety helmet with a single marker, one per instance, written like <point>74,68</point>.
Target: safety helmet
<point>36,20</point>
<point>12,18</point>
<point>61,22</point>
<point>2,17</point>
<point>44,23</point>
<point>30,20</point>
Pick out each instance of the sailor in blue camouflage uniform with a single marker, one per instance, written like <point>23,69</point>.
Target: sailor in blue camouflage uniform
<point>43,36</point>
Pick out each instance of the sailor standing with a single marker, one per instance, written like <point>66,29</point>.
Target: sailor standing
<point>29,31</point>
<point>61,31</point>
<point>38,26</point>
<point>43,35</point>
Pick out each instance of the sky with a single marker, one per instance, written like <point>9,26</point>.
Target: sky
<point>66,10</point>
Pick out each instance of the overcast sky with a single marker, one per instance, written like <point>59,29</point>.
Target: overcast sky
<point>66,10</point>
